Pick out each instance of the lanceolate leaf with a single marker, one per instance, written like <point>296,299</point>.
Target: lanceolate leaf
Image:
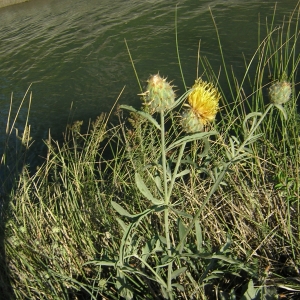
<point>182,213</point>
<point>206,148</point>
<point>199,239</point>
<point>190,138</point>
<point>110,263</point>
<point>227,244</point>
<point>251,292</point>
<point>281,108</point>
<point>254,116</point>
<point>102,263</point>
<point>181,228</point>
<point>143,114</point>
<point>182,232</point>
<point>182,173</point>
<point>213,276</point>
<point>178,286</point>
<point>145,191</point>
<point>122,211</point>
<point>157,180</point>
<point>254,138</point>
<point>122,224</point>
<point>225,258</point>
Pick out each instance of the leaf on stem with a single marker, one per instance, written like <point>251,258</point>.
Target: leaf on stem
<point>181,213</point>
<point>190,138</point>
<point>182,173</point>
<point>109,263</point>
<point>206,148</point>
<point>199,238</point>
<point>157,181</point>
<point>254,138</point>
<point>122,211</point>
<point>181,229</point>
<point>102,263</point>
<point>281,108</point>
<point>251,292</point>
<point>122,224</point>
<point>178,286</point>
<point>252,116</point>
<point>225,258</point>
<point>145,191</point>
<point>143,114</point>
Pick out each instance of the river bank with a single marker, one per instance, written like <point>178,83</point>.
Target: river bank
<point>4,3</point>
<point>148,206</point>
<point>63,51</point>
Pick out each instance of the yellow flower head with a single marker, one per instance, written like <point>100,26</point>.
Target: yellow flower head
<point>204,101</point>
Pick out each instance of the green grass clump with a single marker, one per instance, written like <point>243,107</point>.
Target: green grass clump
<point>54,226</point>
<point>145,210</point>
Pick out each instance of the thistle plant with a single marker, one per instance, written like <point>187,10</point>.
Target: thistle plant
<point>159,257</point>
<point>145,201</point>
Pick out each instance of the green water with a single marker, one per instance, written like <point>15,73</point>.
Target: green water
<point>74,53</point>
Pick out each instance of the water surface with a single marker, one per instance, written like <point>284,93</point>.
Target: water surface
<point>73,51</point>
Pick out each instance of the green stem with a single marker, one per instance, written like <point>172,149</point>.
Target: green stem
<point>166,200</point>
<point>219,179</point>
<point>176,169</point>
<point>170,265</point>
<point>163,157</point>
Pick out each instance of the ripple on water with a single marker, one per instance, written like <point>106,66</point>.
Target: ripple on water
<point>74,52</point>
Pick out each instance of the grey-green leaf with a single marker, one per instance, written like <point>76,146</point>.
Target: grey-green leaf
<point>281,108</point>
<point>206,148</point>
<point>251,292</point>
<point>102,263</point>
<point>122,211</point>
<point>190,138</point>
<point>182,213</point>
<point>106,263</point>
<point>181,229</point>
<point>178,286</point>
<point>145,191</point>
<point>225,258</point>
<point>199,238</point>
<point>252,116</point>
<point>180,100</point>
<point>157,180</point>
<point>182,173</point>
<point>178,272</point>
<point>122,224</point>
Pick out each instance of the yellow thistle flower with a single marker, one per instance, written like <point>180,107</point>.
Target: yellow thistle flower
<point>203,106</point>
<point>204,101</point>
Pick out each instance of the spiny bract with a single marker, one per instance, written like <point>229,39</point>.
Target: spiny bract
<point>191,122</point>
<point>159,95</point>
<point>280,92</point>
